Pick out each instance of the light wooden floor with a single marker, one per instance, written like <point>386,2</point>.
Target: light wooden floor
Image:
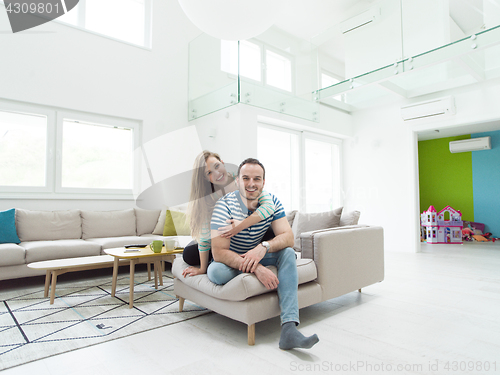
<point>437,312</point>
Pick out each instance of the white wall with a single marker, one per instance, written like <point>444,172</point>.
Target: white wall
<point>376,44</point>
<point>380,161</point>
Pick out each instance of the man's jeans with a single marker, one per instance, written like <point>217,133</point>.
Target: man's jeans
<point>286,264</point>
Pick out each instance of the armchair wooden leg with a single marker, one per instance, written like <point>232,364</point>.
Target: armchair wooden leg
<point>251,334</point>
<point>181,304</point>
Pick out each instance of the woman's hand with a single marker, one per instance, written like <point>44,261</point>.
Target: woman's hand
<point>193,271</point>
<point>229,230</point>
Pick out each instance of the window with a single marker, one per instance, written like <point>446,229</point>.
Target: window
<point>96,156</point>
<point>126,20</point>
<point>279,152</point>
<point>249,56</point>
<point>63,153</point>
<point>278,71</point>
<point>229,57</point>
<point>23,149</point>
<point>302,168</point>
<point>322,175</point>
<point>258,63</point>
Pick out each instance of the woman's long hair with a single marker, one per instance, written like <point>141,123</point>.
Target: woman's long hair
<point>201,199</point>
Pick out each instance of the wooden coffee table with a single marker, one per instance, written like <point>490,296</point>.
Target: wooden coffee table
<point>58,267</point>
<point>137,256</point>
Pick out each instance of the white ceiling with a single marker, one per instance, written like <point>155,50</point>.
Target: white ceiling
<point>459,130</point>
<point>318,20</point>
<point>309,18</point>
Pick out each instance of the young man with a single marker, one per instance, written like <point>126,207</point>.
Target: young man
<point>245,252</point>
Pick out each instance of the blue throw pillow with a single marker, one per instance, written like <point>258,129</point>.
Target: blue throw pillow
<point>8,232</point>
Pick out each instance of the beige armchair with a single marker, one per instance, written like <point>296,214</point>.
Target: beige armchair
<point>333,262</point>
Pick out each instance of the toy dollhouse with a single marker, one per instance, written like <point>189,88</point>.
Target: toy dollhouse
<point>444,226</point>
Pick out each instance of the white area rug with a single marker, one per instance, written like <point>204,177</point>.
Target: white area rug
<point>83,314</point>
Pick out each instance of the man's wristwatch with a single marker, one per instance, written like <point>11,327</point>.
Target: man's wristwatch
<point>266,245</point>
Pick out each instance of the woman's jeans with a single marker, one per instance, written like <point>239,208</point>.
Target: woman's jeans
<point>286,264</point>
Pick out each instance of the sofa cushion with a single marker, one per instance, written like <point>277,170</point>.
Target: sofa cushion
<point>8,232</point>
<point>243,286</point>
<point>111,242</point>
<point>160,225</point>
<point>349,218</point>
<point>290,217</point>
<point>307,222</point>
<point>37,251</point>
<point>11,254</point>
<point>176,224</point>
<point>48,225</point>
<point>146,220</point>
<point>99,224</point>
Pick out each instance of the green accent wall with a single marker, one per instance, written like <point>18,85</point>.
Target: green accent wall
<point>445,178</point>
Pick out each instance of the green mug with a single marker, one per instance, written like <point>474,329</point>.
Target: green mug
<point>156,246</point>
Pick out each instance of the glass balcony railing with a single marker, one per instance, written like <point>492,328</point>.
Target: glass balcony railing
<point>274,71</point>
<point>389,49</point>
<point>469,60</point>
<point>419,47</point>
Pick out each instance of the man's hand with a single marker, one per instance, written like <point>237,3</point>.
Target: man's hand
<point>266,277</point>
<point>252,258</point>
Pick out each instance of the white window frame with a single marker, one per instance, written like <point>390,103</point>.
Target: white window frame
<point>263,64</point>
<point>49,150</point>
<point>303,135</point>
<point>322,138</point>
<point>264,68</point>
<point>295,193</point>
<point>148,16</point>
<point>98,120</point>
<point>53,170</point>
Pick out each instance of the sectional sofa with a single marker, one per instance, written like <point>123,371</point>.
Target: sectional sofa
<point>48,235</point>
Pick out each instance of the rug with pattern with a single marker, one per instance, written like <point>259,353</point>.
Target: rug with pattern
<point>83,314</point>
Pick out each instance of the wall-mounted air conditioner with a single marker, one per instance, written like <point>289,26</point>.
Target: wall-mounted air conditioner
<point>473,144</point>
<point>360,20</point>
<point>430,108</point>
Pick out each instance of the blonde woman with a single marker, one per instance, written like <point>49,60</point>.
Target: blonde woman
<point>210,182</point>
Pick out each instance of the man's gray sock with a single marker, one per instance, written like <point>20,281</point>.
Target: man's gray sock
<point>291,338</point>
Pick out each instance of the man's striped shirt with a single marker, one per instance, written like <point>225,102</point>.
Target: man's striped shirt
<point>232,207</point>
